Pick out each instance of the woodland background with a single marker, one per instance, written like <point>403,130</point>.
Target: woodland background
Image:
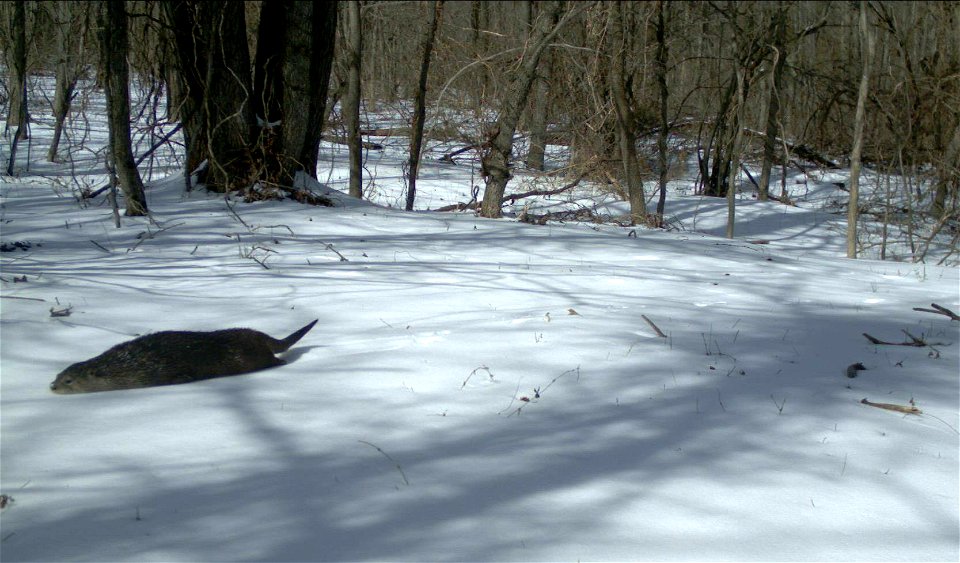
<point>630,88</point>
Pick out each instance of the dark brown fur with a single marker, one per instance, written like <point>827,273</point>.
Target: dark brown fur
<point>169,358</point>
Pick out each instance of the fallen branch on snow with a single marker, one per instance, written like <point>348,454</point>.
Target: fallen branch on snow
<point>891,407</point>
<point>654,327</point>
<point>914,341</point>
<point>937,309</point>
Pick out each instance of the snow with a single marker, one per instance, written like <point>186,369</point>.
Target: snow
<point>398,430</point>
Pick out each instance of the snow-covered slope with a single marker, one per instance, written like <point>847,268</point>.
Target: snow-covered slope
<point>475,390</point>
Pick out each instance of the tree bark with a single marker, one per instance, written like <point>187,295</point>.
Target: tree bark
<point>17,116</point>
<point>419,100</point>
<point>626,116</point>
<point>351,100</point>
<point>113,50</point>
<point>866,49</point>
<point>227,103</point>
<point>949,176</point>
<point>72,26</point>
<point>291,78</point>
<point>539,107</point>
<point>660,69</point>
<point>221,105</point>
<point>479,19</point>
<point>306,75</point>
<point>496,160</point>
<point>773,101</point>
<point>735,152</point>
<point>187,21</point>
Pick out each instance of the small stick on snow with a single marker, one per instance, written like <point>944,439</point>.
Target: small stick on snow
<point>891,407</point>
<point>654,327</point>
<point>334,250</point>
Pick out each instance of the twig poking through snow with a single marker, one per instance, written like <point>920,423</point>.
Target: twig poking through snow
<point>483,368</point>
<point>537,392</point>
<point>334,250</point>
<point>386,455</point>
<point>779,405</point>
<point>654,327</point>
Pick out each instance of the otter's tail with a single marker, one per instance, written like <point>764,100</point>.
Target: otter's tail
<point>278,346</point>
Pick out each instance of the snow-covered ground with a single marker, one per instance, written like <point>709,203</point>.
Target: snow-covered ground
<point>475,389</point>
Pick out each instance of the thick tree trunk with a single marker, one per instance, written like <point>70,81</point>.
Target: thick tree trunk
<point>419,100</point>
<point>220,104</point>
<point>17,116</point>
<point>660,66</point>
<point>113,50</point>
<point>227,102</point>
<point>321,62</point>
<point>291,77</point>
<point>626,118</point>
<point>853,211</point>
<point>268,85</point>
<point>496,160</point>
<point>306,75</point>
<point>188,24</point>
<point>351,100</point>
<point>268,62</point>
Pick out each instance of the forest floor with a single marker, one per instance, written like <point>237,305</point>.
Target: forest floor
<point>475,390</point>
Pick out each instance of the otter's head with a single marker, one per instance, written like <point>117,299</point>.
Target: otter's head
<point>80,378</point>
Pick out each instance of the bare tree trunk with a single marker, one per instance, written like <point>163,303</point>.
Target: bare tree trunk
<point>188,23</point>
<point>17,116</point>
<point>496,160</point>
<point>715,168</point>
<point>949,174</point>
<point>866,42</point>
<point>734,170</point>
<point>538,106</point>
<point>626,118</point>
<point>351,100</point>
<point>306,75</point>
<point>221,104</point>
<point>72,26</point>
<point>419,100</point>
<point>61,107</point>
<point>479,17</point>
<point>321,64</point>
<point>660,67</point>
<point>291,78</point>
<point>227,99</point>
<point>113,49</point>
<point>538,118</point>
<point>773,101</point>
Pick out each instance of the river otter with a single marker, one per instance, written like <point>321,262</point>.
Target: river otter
<point>172,357</point>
